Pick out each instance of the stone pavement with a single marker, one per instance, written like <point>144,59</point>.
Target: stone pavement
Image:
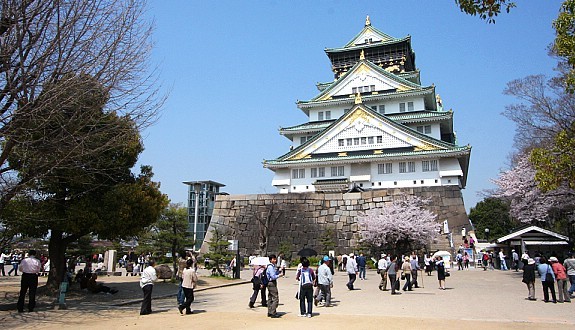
<point>474,298</point>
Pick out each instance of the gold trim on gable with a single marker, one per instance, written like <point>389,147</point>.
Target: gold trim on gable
<point>378,152</point>
<point>342,154</point>
<point>425,147</point>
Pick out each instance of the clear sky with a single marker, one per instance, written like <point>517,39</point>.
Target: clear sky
<point>234,70</point>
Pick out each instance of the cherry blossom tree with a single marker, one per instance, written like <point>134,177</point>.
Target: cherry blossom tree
<point>401,226</point>
<point>528,203</point>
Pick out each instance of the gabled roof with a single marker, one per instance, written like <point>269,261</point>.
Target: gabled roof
<point>401,140</point>
<point>538,232</point>
<point>401,117</point>
<point>402,85</point>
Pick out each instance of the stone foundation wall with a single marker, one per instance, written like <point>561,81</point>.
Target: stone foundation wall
<point>300,219</point>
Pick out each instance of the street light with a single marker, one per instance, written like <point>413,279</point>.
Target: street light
<point>487,234</point>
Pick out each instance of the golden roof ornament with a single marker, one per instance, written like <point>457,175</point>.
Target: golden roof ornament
<point>367,21</point>
<point>358,99</point>
<point>362,55</point>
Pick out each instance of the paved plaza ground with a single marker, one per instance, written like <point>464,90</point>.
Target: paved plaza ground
<point>474,299</point>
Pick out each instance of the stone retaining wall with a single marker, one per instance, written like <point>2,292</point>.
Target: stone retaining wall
<point>300,219</point>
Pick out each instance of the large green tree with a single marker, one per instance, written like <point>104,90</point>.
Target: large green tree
<point>43,43</point>
<point>493,214</point>
<point>79,192</point>
<point>170,232</point>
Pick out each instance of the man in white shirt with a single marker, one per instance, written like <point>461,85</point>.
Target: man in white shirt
<point>382,269</point>
<point>147,284</point>
<point>324,281</point>
<point>351,268</point>
<point>30,268</point>
<point>502,260</point>
<point>3,258</point>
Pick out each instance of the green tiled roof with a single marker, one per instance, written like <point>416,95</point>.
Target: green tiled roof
<point>452,152</point>
<point>398,126</point>
<point>374,67</point>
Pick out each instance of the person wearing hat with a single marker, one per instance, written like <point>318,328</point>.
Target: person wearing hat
<point>406,272</point>
<point>382,270</point>
<point>547,279</point>
<point>529,278</point>
<point>325,282</point>
<point>561,278</point>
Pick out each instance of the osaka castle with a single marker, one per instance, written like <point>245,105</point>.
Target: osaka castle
<point>375,126</point>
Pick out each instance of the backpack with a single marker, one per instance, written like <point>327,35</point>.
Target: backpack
<point>265,279</point>
<point>306,278</point>
<point>485,256</point>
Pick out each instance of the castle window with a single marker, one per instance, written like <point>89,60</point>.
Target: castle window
<point>410,106</point>
<point>354,90</point>
<point>382,108</point>
<point>320,115</point>
<point>341,142</point>
<point>298,173</point>
<point>429,165</point>
<point>348,141</point>
<point>355,141</point>
<point>380,139</point>
<point>337,171</point>
<point>370,140</point>
<point>402,107</point>
<point>372,88</point>
<point>386,168</point>
<point>424,129</point>
<point>328,115</point>
<point>363,140</point>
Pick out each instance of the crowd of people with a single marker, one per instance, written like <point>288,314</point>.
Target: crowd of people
<point>315,282</point>
<point>551,272</point>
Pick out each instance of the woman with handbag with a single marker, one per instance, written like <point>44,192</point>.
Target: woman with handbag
<point>406,274</point>
<point>440,272</point>
<point>547,279</point>
<point>306,277</point>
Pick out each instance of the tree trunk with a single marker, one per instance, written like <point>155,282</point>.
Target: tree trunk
<point>57,253</point>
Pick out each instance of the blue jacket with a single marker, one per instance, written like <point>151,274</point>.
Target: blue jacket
<point>543,269</point>
<point>361,261</point>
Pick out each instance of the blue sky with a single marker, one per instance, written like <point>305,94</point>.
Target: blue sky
<point>234,70</point>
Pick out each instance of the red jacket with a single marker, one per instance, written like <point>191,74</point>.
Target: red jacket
<point>559,271</point>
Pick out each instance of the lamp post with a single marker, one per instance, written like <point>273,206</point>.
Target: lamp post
<point>487,234</point>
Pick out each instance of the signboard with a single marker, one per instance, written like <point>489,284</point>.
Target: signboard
<point>233,244</point>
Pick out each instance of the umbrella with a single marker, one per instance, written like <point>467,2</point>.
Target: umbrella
<point>307,252</point>
<point>260,261</point>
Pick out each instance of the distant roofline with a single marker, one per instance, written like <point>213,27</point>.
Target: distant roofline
<point>192,183</point>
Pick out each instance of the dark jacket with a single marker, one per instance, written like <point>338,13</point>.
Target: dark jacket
<point>529,273</point>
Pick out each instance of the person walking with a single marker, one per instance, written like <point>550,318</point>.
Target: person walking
<point>459,259</point>
<point>406,273</point>
<point>325,282</point>
<point>561,277</point>
<point>189,282</point>
<point>515,263</point>
<point>147,284</point>
<point>503,264</point>
<point>382,270</point>
<point>547,279</point>
<point>361,265</point>
<point>258,286</point>
<point>14,261</point>
<point>440,272</point>
<point>392,273</point>
<point>272,286</point>
<point>30,267</point>
<point>351,268</point>
<point>414,269</point>
<point>306,277</point>
<point>529,278</point>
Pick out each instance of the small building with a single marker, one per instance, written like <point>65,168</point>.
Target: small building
<point>201,200</point>
<point>534,240</point>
